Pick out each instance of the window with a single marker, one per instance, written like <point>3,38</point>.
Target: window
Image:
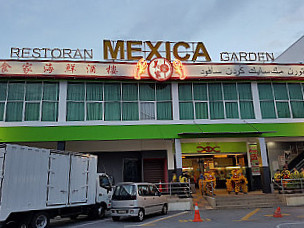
<point>119,101</point>
<point>281,100</point>
<point>28,101</point>
<point>215,101</point>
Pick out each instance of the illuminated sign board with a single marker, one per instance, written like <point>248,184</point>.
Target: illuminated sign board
<point>136,50</point>
<point>125,70</point>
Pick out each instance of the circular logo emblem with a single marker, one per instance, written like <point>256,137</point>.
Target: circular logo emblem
<point>160,69</point>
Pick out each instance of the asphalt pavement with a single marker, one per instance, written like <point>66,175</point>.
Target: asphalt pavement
<point>293,217</point>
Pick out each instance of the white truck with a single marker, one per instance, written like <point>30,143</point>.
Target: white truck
<point>39,184</point>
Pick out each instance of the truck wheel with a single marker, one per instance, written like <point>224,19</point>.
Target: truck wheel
<point>115,218</point>
<point>73,217</point>
<point>40,220</point>
<point>165,209</point>
<point>97,212</point>
<point>140,216</point>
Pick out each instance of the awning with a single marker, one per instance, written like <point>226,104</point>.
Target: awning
<point>205,134</point>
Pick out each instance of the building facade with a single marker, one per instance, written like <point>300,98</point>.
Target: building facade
<point>210,116</point>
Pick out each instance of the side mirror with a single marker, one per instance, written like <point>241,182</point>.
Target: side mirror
<point>159,193</point>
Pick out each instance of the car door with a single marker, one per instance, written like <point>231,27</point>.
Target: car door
<point>144,198</point>
<point>155,199</point>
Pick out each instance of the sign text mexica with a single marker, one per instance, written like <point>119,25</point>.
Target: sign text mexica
<point>136,50</point>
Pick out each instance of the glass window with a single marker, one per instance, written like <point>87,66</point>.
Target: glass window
<point>215,91</point>
<point>14,111</point>
<point>32,111</point>
<point>33,91</point>
<point>76,92</point>
<point>185,92</point>
<point>201,110</point>
<point>200,91</point>
<point>129,92</point>
<point>164,111</point>
<point>112,111</point>
<point>112,92</point>
<point>216,101</point>
<point>268,110</point>
<point>247,110</point>
<point>15,91</point>
<point>244,90</point>
<point>283,109</point>
<point>163,92</point>
<point>26,101</point>
<point>2,111</point>
<point>147,92</point>
<point>186,111</point>
<point>49,111</point>
<point>130,111</point>
<point>147,111</point>
<point>50,101</point>
<point>94,92</point>
<point>295,91</point>
<point>230,92</point>
<point>50,91</point>
<point>280,91</point>
<point>232,111</point>
<point>94,98</point>
<point>75,111</point>
<point>216,110</point>
<point>94,111</point>
<point>297,108</point>
<point>3,91</point>
<point>265,91</point>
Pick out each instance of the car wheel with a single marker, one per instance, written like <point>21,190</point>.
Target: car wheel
<point>140,216</point>
<point>40,220</point>
<point>165,209</point>
<point>115,218</point>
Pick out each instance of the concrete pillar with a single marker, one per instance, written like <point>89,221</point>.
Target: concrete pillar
<point>265,170</point>
<point>63,85</point>
<point>178,157</point>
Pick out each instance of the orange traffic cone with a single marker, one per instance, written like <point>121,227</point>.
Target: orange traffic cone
<point>160,187</point>
<point>277,213</point>
<point>197,217</point>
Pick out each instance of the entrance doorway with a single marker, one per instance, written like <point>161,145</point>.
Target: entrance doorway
<point>220,164</point>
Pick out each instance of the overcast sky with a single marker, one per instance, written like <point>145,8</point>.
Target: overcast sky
<point>222,25</point>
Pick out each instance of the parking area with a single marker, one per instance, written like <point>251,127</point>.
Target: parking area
<point>250,218</point>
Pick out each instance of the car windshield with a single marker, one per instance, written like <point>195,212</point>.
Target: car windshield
<point>124,192</point>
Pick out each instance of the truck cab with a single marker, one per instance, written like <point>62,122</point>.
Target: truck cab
<point>104,190</point>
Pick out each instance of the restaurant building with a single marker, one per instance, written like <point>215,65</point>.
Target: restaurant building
<point>148,118</point>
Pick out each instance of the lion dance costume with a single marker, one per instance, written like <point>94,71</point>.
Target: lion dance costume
<point>209,183</point>
<point>238,182</point>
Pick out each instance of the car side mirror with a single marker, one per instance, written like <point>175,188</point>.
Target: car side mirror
<point>159,193</point>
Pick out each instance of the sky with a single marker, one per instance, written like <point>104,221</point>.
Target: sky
<point>222,25</point>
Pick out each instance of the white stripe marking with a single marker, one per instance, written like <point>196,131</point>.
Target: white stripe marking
<point>157,220</point>
<point>295,223</point>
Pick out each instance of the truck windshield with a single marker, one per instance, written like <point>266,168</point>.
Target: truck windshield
<point>124,192</point>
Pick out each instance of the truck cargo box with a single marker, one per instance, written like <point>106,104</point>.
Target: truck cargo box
<point>36,179</point>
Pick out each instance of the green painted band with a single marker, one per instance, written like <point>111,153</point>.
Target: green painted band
<point>106,132</point>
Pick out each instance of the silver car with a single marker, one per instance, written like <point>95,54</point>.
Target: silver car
<point>137,200</point>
